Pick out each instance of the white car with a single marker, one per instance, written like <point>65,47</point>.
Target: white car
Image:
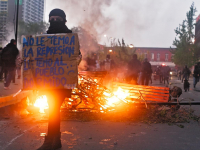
<point>173,73</point>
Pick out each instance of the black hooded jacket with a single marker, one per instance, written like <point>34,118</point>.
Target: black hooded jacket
<point>9,55</point>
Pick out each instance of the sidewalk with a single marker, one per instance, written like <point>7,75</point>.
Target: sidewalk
<point>14,88</point>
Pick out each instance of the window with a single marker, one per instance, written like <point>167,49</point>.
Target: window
<point>152,56</point>
<point>172,56</point>
<point>158,56</point>
<point>145,55</point>
<point>166,57</point>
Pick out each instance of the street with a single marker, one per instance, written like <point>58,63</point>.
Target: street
<point>27,132</point>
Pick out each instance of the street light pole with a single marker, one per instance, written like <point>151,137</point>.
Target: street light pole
<point>16,28</point>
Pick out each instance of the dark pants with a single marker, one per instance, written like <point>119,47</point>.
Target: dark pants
<point>55,100</point>
<point>161,78</point>
<point>179,76</point>
<point>1,72</point>
<point>13,79</point>
<point>145,79</point>
<point>166,79</point>
<point>195,81</point>
<point>11,73</point>
<point>4,72</point>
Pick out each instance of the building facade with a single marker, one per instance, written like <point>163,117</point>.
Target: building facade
<point>3,19</point>
<point>197,31</point>
<point>29,11</point>
<point>156,56</point>
<point>33,10</point>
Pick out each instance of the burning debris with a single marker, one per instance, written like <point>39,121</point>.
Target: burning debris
<point>92,95</point>
<point>91,100</point>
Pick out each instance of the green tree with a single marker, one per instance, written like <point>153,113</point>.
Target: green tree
<point>32,28</point>
<point>185,51</point>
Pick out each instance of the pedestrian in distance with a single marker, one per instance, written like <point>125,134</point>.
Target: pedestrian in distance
<point>166,74</point>
<point>57,19</point>
<point>19,65</point>
<point>162,72</point>
<point>134,67</point>
<point>179,75</point>
<point>1,65</point>
<point>3,71</point>
<point>157,73</point>
<point>146,72</point>
<point>109,64</point>
<point>186,73</point>
<point>8,56</point>
<point>195,76</point>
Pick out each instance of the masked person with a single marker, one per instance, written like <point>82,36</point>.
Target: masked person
<point>134,67</point>
<point>146,72</point>
<point>57,19</point>
<point>186,73</point>
<point>8,57</point>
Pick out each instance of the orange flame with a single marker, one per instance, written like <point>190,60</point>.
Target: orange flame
<point>119,95</point>
<point>41,102</point>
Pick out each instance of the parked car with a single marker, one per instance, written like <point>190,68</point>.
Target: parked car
<point>173,72</point>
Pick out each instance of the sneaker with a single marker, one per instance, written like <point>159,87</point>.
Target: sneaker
<point>7,88</point>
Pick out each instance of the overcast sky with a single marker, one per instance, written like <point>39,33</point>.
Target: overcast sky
<point>144,23</point>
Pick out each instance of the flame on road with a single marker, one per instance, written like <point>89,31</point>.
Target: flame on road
<point>112,99</point>
<point>41,102</point>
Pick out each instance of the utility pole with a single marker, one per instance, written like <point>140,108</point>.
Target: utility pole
<point>16,28</point>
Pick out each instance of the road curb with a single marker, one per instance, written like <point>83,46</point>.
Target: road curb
<point>14,98</point>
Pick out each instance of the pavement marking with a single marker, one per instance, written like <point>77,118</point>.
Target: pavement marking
<point>17,137</point>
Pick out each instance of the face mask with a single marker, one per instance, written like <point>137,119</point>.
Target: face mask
<point>56,27</point>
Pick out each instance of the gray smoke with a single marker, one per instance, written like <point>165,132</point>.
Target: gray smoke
<point>89,17</point>
<point>88,14</point>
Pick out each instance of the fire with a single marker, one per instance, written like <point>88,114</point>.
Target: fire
<point>41,103</point>
<point>118,96</point>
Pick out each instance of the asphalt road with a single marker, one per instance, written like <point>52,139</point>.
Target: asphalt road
<point>26,133</point>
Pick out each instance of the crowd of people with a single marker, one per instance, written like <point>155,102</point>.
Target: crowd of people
<point>134,71</point>
<point>140,72</point>
<point>163,72</point>
<point>10,64</point>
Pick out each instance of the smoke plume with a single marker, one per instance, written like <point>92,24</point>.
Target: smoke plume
<point>88,14</point>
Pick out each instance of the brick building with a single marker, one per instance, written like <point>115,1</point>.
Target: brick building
<point>156,56</point>
<point>29,11</point>
<point>197,31</point>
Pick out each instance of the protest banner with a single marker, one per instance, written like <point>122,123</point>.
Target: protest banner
<point>50,61</point>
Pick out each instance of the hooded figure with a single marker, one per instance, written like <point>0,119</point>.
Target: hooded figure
<point>8,58</point>
<point>57,19</point>
<point>186,73</point>
<point>146,72</point>
<point>134,67</point>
